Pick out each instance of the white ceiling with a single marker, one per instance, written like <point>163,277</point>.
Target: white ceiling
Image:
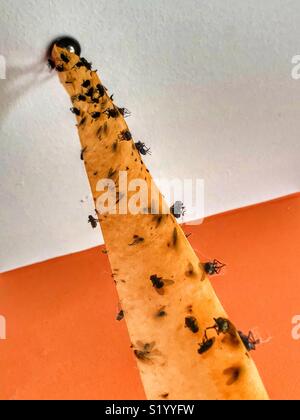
<point>209,86</point>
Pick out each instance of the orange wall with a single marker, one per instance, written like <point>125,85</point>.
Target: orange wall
<point>63,341</point>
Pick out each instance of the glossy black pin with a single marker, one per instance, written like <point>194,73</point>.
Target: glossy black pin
<point>67,42</point>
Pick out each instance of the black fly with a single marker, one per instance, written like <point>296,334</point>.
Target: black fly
<point>75,111</point>
<point>96,115</point>
<point>81,98</point>
<point>213,267</point>
<point>124,112</point>
<point>94,222</point>
<point>90,92</point>
<point>120,315</point>
<point>206,344</point>
<point>143,150</point>
<point>223,326</point>
<point>249,340</point>
<point>159,283</point>
<point>112,113</point>
<point>84,63</point>
<point>60,68</point>
<point>86,84</point>
<point>101,90</point>
<point>192,323</point>
<point>125,135</point>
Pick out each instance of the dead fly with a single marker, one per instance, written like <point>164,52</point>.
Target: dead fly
<point>101,90</point>
<point>120,315</point>
<point>125,135</point>
<point>84,63</point>
<point>159,283</point>
<point>213,267</point>
<point>86,84</point>
<point>60,68</point>
<point>75,111</point>
<point>80,98</point>
<point>223,326</point>
<point>178,209</point>
<point>82,153</point>
<point>192,323</point>
<point>124,112</point>
<point>249,340</point>
<point>96,115</point>
<point>112,113</point>
<point>94,222</point>
<point>145,352</point>
<point>142,149</point>
<point>136,240</point>
<point>90,92</point>
<point>64,58</point>
<point>95,100</point>
<point>51,64</point>
<point>206,344</point>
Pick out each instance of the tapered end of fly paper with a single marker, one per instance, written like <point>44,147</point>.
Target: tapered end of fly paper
<point>183,342</point>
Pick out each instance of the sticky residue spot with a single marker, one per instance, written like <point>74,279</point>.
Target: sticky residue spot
<point>161,313</point>
<point>175,237</point>
<point>115,146</point>
<point>234,374</point>
<point>158,219</point>
<point>189,309</point>
<point>190,272</point>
